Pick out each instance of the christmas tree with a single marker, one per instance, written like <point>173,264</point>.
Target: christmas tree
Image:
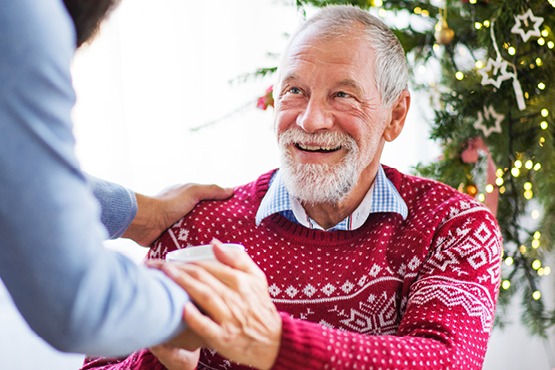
<point>494,114</point>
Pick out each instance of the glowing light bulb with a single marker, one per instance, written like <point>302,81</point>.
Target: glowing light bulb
<point>535,244</point>
<point>536,264</point>
<point>544,125</point>
<point>509,261</point>
<point>529,164</point>
<point>378,2</point>
<point>477,25</point>
<point>541,41</point>
<point>541,86</point>
<point>528,194</point>
<point>499,181</point>
<point>535,214</point>
<point>537,235</point>
<point>502,190</point>
<point>541,141</point>
<point>537,166</point>
<point>459,75</point>
<point>528,186</point>
<point>544,112</point>
<point>518,163</point>
<point>522,249</point>
<point>489,188</point>
<point>515,172</point>
<point>417,10</point>
<point>486,23</point>
<point>473,2</point>
<point>511,50</point>
<point>539,62</point>
<point>506,284</point>
<point>481,197</point>
<point>545,33</point>
<point>550,44</point>
<point>479,64</point>
<point>536,295</point>
<point>425,13</point>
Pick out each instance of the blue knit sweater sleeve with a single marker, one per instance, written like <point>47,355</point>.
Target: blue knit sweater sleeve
<point>118,205</point>
<point>73,292</point>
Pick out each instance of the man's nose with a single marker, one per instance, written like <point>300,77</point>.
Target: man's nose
<point>315,117</point>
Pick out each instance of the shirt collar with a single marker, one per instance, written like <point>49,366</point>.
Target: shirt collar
<point>381,197</point>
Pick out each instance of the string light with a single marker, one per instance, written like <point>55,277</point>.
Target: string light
<point>479,64</point>
<point>509,261</point>
<point>511,50</point>
<point>528,194</point>
<point>518,163</point>
<point>544,112</point>
<point>550,44</point>
<point>544,125</point>
<point>535,214</point>
<point>499,181</point>
<point>502,190</point>
<point>499,172</point>
<point>537,235</point>
<point>536,295</point>
<point>541,86</point>
<point>522,249</point>
<point>478,25</point>
<point>535,244</point>
<point>378,2</point>
<point>539,62</point>
<point>481,197</point>
<point>459,75</point>
<point>541,41</point>
<point>515,172</point>
<point>529,164</point>
<point>536,264</point>
<point>506,284</point>
<point>537,166</point>
<point>545,33</point>
<point>489,188</point>
<point>486,23</point>
<point>528,186</point>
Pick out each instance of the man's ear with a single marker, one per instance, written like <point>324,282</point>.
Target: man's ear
<point>398,116</point>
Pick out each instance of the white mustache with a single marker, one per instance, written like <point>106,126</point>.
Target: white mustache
<point>324,139</point>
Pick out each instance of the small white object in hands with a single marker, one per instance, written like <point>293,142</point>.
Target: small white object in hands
<point>199,253</point>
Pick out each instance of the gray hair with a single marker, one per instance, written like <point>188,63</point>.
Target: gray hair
<point>391,74</point>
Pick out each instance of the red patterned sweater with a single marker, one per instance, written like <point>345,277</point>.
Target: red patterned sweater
<point>418,293</point>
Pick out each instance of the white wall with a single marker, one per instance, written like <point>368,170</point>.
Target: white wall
<point>160,68</point>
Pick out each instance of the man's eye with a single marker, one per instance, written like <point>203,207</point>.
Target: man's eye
<point>342,94</point>
<point>294,90</point>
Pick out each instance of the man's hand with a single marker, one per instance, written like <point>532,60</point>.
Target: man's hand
<point>239,320</point>
<point>156,214</point>
<point>176,358</point>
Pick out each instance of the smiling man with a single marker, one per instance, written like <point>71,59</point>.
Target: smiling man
<point>349,264</point>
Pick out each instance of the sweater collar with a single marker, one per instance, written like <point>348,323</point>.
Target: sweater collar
<point>381,197</point>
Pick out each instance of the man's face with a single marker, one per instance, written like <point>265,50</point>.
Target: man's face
<point>329,118</point>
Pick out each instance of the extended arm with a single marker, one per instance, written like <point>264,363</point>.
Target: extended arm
<point>72,291</point>
<point>143,218</point>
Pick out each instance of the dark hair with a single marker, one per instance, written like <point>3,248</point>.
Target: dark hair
<point>87,16</point>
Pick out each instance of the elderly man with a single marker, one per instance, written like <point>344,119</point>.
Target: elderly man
<point>354,265</point>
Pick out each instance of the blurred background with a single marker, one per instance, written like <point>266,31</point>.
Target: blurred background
<point>166,95</point>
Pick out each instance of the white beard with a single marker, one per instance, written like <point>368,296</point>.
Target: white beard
<point>320,183</point>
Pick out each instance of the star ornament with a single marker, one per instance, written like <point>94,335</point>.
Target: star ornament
<point>529,30</point>
<point>495,72</point>
<point>488,114</point>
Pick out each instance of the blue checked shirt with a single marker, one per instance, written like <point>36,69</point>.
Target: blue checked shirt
<point>381,197</point>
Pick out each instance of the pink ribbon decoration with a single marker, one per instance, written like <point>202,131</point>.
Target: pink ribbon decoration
<point>471,154</point>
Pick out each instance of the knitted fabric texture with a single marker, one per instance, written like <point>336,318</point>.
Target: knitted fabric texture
<point>418,293</point>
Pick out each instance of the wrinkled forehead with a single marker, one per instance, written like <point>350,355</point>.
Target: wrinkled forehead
<point>350,49</point>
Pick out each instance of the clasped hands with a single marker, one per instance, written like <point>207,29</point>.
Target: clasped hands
<point>235,315</point>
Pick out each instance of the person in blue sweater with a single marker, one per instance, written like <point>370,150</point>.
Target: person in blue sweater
<point>74,293</point>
